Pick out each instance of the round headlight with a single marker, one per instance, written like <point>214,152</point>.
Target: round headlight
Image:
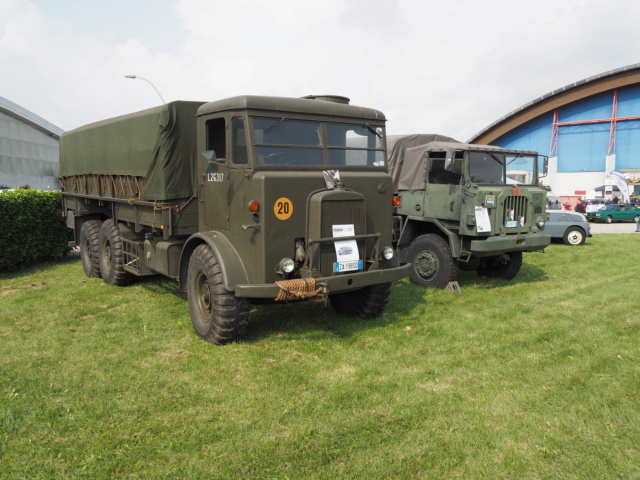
<point>540,222</point>
<point>287,265</point>
<point>387,253</point>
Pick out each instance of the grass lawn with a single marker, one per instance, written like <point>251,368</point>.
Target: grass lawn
<point>534,378</point>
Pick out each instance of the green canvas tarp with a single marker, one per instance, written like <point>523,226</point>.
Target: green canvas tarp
<point>158,144</point>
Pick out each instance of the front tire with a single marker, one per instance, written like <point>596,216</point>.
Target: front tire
<point>433,265</point>
<point>505,266</point>
<point>574,236</point>
<point>90,248</point>
<point>608,219</point>
<point>111,256</point>
<point>367,303</point>
<point>217,315</point>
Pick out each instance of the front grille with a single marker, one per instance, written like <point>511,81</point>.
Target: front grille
<point>515,209</point>
<point>340,212</point>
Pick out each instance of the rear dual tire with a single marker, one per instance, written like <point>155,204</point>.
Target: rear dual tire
<point>89,242</point>
<point>111,255</point>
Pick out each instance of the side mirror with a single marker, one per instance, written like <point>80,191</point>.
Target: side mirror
<point>545,165</point>
<point>450,162</point>
<point>209,157</point>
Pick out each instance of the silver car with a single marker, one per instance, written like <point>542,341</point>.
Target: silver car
<point>571,227</point>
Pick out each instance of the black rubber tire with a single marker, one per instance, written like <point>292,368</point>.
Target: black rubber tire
<point>505,266</point>
<point>574,236</point>
<point>608,219</point>
<point>89,241</point>
<point>217,315</point>
<point>110,255</point>
<point>432,264</point>
<point>367,303</point>
<point>636,218</point>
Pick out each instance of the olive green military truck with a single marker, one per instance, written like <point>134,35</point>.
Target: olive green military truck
<point>464,206</point>
<point>244,200</point>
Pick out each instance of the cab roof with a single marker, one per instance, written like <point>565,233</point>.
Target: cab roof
<point>312,105</point>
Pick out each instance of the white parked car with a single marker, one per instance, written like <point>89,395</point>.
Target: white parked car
<point>594,205</point>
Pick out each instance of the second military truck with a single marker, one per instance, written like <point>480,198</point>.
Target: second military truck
<point>244,200</point>
<point>464,206</point>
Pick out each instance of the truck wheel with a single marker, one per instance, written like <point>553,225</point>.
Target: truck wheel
<point>368,302</point>
<point>433,265</point>
<point>217,314</point>
<point>110,255</point>
<point>505,266</point>
<point>574,236</point>
<point>89,247</point>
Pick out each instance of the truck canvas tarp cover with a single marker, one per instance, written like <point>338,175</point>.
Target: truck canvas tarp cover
<point>406,165</point>
<point>406,156</point>
<point>158,144</point>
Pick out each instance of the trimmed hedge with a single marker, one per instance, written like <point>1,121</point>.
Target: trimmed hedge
<point>31,228</point>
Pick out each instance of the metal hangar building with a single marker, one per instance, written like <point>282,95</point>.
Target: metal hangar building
<point>28,149</point>
<point>587,129</point>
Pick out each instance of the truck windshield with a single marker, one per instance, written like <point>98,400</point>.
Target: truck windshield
<point>521,169</point>
<point>500,168</point>
<point>486,168</point>
<point>355,145</point>
<point>283,141</point>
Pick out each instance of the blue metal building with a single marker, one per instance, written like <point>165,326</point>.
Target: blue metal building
<point>587,129</point>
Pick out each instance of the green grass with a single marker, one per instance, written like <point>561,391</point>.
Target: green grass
<point>535,378</point>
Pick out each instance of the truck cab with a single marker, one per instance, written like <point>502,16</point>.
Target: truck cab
<point>464,206</point>
<point>248,199</point>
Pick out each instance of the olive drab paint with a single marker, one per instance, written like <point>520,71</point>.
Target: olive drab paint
<point>231,199</point>
<point>462,206</point>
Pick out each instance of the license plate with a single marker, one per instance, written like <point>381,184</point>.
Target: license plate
<point>511,224</point>
<point>347,266</point>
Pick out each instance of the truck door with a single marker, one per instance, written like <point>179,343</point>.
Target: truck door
<point>443,191</point>
<point>214,201</point>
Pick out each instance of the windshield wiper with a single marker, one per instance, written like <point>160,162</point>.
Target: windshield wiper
<point>275,124</point>
<point>514,159</point>
<point>368,127</point>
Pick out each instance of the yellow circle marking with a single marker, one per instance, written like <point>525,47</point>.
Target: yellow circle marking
<point>283,208</point>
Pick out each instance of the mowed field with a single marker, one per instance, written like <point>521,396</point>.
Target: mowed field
<point>534,378</point>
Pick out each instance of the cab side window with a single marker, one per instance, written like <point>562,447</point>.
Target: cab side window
<point>216,138</point>
<point>437,174</point>
<point>238,142</point>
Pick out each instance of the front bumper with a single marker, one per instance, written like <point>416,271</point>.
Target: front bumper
<point>336,284</point>
<point>497,245</point>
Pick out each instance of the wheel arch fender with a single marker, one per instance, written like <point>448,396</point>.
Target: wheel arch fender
<point>231,266</point>
<point>414,228</point>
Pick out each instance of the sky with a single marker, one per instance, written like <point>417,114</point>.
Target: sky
<point>449,67</point>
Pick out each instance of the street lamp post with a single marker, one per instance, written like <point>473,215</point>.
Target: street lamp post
<point>149,82</point>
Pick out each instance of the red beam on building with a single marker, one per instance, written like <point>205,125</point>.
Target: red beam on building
<point>611,149</point>
<point>553,147</point>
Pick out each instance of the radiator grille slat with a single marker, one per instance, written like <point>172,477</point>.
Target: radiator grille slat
<point>515,209</point>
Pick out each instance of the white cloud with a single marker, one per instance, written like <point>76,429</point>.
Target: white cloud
<point>444,67</point>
